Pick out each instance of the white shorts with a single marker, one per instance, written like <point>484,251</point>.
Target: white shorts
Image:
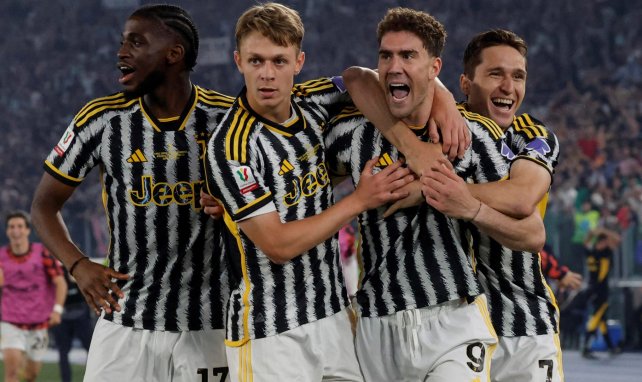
<point>528,358</point>
<point>453,341</point>
<point>33,342</point>
<point>318,351</point>
<point>120,353</point>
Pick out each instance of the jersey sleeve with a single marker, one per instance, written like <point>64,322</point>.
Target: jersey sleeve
<point>338,140</point>
<point>328,95</point>
<point>233,166</point>
<point>488,157</point>
<point>78,150</point>
<point>532,140</point>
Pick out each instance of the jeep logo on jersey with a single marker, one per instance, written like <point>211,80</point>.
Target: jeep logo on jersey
<point>163,194</point>
<point>306,185</point>
<point>244,179</point>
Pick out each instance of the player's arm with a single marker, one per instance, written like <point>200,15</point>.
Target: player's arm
<point>1,277</point>
<point>519,195</point>
<point>367,95</point>
<point>94,280</point>
<point>282,242</point>
<point>448,193</point>
<point>60,286</point>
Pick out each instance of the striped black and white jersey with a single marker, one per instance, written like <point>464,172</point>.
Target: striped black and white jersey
<point>152,174</point>
<point>416,257</point>
<point>531,139</point>
<point>519,299</point>
<point>256,166</point>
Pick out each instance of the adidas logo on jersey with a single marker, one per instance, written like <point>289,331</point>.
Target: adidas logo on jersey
<point>384,161</point>
<point>137,157</point>
<point>285,167</point>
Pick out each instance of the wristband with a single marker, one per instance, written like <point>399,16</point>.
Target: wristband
<point>73,266</point>
<point>58,308</point>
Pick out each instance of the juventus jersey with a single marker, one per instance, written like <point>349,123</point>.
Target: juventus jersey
<point>416,257</point>
<point>519,299</point>
<point>255,165</point>
<point>152,175</point>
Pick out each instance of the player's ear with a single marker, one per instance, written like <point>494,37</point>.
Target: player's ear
<point>175,54</point>
<point>299,62</point>
<point>435,68</point>
<point>464,84</point>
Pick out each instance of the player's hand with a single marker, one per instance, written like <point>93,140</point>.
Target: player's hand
<point>211,206</point>
<point>414,198</point>
<point>455,136</point>
<point>570,281</point>
<point>54,319</point>
<point>423,156</point>
<point>375,190</point>
<point>448,193</point>
<point>95,281</point>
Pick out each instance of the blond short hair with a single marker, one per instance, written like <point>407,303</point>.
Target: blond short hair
<point>282,25</point>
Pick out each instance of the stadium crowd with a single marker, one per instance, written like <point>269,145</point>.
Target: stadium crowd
<point>585,82</point>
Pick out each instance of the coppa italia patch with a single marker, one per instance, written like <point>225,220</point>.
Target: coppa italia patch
<point>245,179</point>
<point>65,141</point>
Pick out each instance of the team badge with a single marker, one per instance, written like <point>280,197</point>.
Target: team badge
<point>244,179</point>
<point>65,141</point>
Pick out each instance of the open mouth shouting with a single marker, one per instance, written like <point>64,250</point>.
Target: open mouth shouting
<point>399,91</point>
<point>127,73</point>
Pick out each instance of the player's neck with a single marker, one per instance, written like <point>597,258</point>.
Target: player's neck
<point>169,99</point>
<point>20,247</point>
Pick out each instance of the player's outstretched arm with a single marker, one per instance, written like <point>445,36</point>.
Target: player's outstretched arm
<point>282,242</point>
<point>94,280</point>
<point>448,193</point>
<point>519,195</point>
<point>367,95</point>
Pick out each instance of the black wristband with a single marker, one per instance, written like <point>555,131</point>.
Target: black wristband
<point>73,266</point>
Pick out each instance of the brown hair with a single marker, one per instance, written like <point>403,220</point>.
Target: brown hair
<point>431,32</point>
<point>277,22</point>
<point>493,37</point>
<point>18,214</point>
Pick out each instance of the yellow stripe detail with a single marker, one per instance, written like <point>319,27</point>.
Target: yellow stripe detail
<point>490,125</point>
<point>278,131</point>
<point>51,166</point>
<point>594,321</point>
<point>246,133</point>
<point>539,130</point>
<point>189,113</point>
<point>604,269</point>
<point>229,142</point>
<point>105,199</point>
<point>481,303</point>
<point>112,99</point>
<point>234,230</point>
<point>169,119</point>
<point>558,346</point>
<point>103,108</point>
<point>257,200</point>
<point>287,164</point>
